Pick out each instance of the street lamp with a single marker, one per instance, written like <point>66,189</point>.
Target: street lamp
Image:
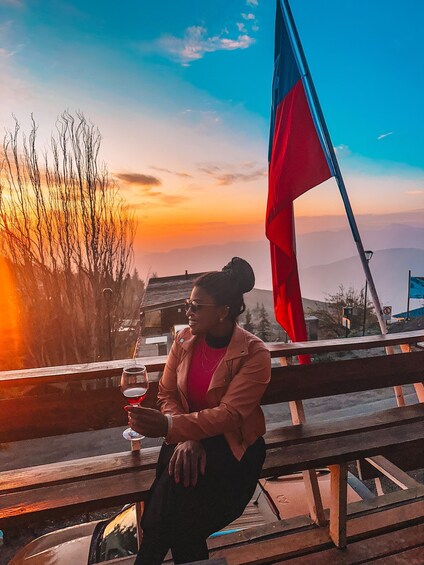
<point>368,255</point>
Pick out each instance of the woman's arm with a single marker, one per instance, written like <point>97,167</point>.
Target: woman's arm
<point>241,398</point>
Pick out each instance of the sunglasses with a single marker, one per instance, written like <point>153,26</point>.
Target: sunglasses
<point>194,306</point>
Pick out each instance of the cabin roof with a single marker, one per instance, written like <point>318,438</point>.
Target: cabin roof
<point>164,292</point>
<point>416,313</point>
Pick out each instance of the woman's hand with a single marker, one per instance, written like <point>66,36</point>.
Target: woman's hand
<point>147,421</point>
<point>188,459</point>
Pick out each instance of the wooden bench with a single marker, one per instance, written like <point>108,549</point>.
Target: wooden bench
<point>124,477</point>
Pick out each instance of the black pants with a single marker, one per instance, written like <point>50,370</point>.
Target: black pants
<point>181,518</point>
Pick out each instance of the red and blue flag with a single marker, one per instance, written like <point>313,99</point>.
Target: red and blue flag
<point>298,161</point>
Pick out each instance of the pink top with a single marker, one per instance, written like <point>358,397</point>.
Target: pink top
<point>204,362</point>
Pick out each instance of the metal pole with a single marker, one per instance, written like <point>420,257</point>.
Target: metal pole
<point>409,294</point>
<point>365,308</point>
<point>337,172</point>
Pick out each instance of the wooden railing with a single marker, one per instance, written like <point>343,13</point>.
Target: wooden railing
<point>73,398</point>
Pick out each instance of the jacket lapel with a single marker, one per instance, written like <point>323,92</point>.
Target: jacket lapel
<point>237,348</point>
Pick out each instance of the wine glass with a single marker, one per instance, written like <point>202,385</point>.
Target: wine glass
<point>134,386</point>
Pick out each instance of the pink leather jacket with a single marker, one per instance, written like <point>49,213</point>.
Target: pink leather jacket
<point>234,393</point>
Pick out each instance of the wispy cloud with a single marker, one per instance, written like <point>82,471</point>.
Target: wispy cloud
<point>248,16</point>
<point>138,179</point>
<point>196,42</point>
<point>252,2</point>
<point>383,135</point>
<point>16,3</point>
<point>154,199</point>
<point>177,173</point>
<point>342,150</point>
<point>227,177</point>
<point>415,192</point>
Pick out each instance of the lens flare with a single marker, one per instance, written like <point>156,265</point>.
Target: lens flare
<point>10,338</point>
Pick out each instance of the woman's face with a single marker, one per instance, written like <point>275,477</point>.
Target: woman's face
<point>204,316</point>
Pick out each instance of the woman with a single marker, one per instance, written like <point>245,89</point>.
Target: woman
<point>209,396</point>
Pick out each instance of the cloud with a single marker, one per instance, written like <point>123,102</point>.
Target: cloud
<point>196,43</point>
<point>342,150</point>
<point>252,2</point>
<point>241,27</point>
<point>248,16</point>
<point>415,192</point>
<point>171,199</point>
<point>383,135</point>
<point>226,178</point>
<point>155,199</point>
<point>16,3</point>
<point>177,173</point>
<point>138,179</point>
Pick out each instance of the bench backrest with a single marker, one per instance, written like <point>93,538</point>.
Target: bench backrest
<point>61,400</point>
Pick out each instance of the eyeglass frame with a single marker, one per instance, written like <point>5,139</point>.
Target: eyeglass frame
<point>193,305</point>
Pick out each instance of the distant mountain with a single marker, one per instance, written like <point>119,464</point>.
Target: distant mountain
<point>265,297</point>
<point>326,259</point>
<point>324,247</point>
<point>389,268</point>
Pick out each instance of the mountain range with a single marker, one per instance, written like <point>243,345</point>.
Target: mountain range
<point>326,260</point>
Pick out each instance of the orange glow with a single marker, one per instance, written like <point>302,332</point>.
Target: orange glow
<point>10,339</point>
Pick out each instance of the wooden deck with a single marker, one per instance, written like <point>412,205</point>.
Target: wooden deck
<point>383,529</point>
<point>390,530</point>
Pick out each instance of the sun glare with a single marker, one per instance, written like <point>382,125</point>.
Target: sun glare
<point>10,339</point>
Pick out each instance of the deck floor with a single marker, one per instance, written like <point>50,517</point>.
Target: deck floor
<point>388,531</point>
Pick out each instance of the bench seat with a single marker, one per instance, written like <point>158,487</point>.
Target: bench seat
<point>93,482</point>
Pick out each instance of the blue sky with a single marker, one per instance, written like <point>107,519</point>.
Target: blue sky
<point>181,92</point>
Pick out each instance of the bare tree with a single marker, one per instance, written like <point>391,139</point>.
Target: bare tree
<point>68,235</point>
<point>330,315</point>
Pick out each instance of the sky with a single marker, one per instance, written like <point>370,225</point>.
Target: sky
<point>181,94</point>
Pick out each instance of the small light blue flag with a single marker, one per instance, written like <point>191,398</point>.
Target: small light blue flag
<point>416,287</point>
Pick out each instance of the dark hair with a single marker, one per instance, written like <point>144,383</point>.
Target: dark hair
<point>228,286</point>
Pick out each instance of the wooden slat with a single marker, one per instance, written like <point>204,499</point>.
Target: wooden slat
<point>366,550</point>
<point>294,545</point>
<point>335,450</point>
<point>283,436</point>
<point>408,458</point>
<point>70,471</point>
<point>300,382</point>
<point>392,472</point>
<point>113,490</point>
<point>88,371</point>
<point>81,372</point>
<point>412,556</point>
<point>345,344</point>
<point>65,413</point>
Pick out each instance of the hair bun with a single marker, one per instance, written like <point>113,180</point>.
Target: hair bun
<point>242,273</point>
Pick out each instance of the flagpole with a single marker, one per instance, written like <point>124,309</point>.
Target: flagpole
<point>333,159</point>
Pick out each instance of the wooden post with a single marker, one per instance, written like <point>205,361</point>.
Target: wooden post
<point>139,506</point>
<point>310,479</point>
<point>338,504</point>
<point>419,387</point>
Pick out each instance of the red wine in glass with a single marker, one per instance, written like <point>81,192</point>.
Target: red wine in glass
<point>134,386</point>
<point>135,395</point>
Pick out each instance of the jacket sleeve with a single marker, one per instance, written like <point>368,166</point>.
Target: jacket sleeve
<point>168,395</point>
<point>242,396</point>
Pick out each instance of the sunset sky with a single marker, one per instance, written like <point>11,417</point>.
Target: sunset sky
<point>181,94</point>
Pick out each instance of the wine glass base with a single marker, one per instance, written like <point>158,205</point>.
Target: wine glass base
<point>131,435</point>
